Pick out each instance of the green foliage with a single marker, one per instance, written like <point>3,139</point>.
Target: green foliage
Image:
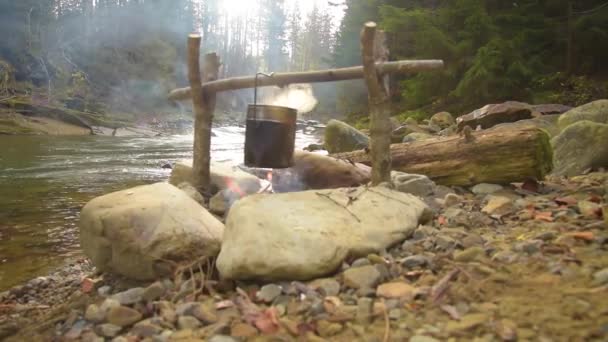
<point>493,50</point>
<point>418,115</point>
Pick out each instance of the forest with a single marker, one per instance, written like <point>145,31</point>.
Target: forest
<point>123,56</point>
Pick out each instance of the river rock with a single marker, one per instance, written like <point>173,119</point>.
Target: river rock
<point>123,316</point>
<point>418,185</point>
<point>400,290</point>
<point>306,235</point>
<point>581,146</point>
<point>102,131</point>
<point>596,111</point>
<point>443,120</point>
<point>129,232</point>
<point>365,277</point>
<point>341,137</point>
<point>223,176</point>
<point>494,114</point>
<point>485,189</point>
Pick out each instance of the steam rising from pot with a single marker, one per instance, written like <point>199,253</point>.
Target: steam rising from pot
<point>298,96</point>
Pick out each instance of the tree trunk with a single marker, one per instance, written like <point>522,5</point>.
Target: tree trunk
<point>500,155</point>
<point>379,107</point>
<point>204,106</point>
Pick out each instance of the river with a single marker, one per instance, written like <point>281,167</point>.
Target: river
<point>45,181</point>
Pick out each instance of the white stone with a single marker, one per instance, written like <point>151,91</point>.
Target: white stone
<point>131,232</point>
<point>306,235</point>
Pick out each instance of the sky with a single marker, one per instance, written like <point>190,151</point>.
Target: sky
<point>241,7</point>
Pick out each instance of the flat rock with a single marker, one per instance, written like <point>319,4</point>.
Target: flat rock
<point>131,232</point>
<point>307,235</point>
<point>341,137</point>
<point>494,114</point>
<point>499,205</point>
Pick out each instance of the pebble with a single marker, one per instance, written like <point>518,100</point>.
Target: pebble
<point>104,291</point>
<point>361,277</point>
<point>444,242</point>
<point>146,329</point>
<point>153,292</point>
<point>205,313</point>
<point>416,261</point>
<point>108,330</point>
<point>451,200</point>
<point>130,296</point>
<point>328,286</point>
<point>268,293</point>
<point>499,205</point>
<point>123,316</point>
<point>600,277</point>
<point>396,290</point>
<point>424,232</point>
<point>468,254</point>
<point>361,262</point>
<point>187,322</point>
<point>485,189</point>
<point>108,304</point>
<point>94,314</point>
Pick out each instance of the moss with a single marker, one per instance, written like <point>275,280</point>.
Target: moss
<point>544,154</point>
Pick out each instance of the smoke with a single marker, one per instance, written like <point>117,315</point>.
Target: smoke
<point>298,96</point>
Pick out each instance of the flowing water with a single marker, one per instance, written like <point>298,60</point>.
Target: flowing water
<point>45,181</point>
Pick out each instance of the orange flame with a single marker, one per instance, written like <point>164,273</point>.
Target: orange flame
<point>269,176</point>
<point>234,187</point>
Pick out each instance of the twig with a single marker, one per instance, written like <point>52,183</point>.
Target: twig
<point>442,285</point>
<point>340,204</point>
<point>387,323</point>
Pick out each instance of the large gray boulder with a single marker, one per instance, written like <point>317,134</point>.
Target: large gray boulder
<point>223,176</point>
<point>580,146</point>
<point>306,235</point>
<point>545,122</point>
<point>341,137</point>
<point>135,232</point>
<point>596,111</point>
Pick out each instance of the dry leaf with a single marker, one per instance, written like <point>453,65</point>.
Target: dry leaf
<point>546,216</point>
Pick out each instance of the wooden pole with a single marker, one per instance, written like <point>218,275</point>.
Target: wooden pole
<point>204,105</point>
<point>286,78</point>
<point>379,107</point>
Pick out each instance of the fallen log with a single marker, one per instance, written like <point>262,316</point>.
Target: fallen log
<point>500,156</point>
<point>286,78</point>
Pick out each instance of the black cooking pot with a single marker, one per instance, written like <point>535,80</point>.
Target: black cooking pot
<point>270,136</point>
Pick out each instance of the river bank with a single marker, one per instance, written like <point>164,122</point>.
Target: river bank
<point>520,262</point>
